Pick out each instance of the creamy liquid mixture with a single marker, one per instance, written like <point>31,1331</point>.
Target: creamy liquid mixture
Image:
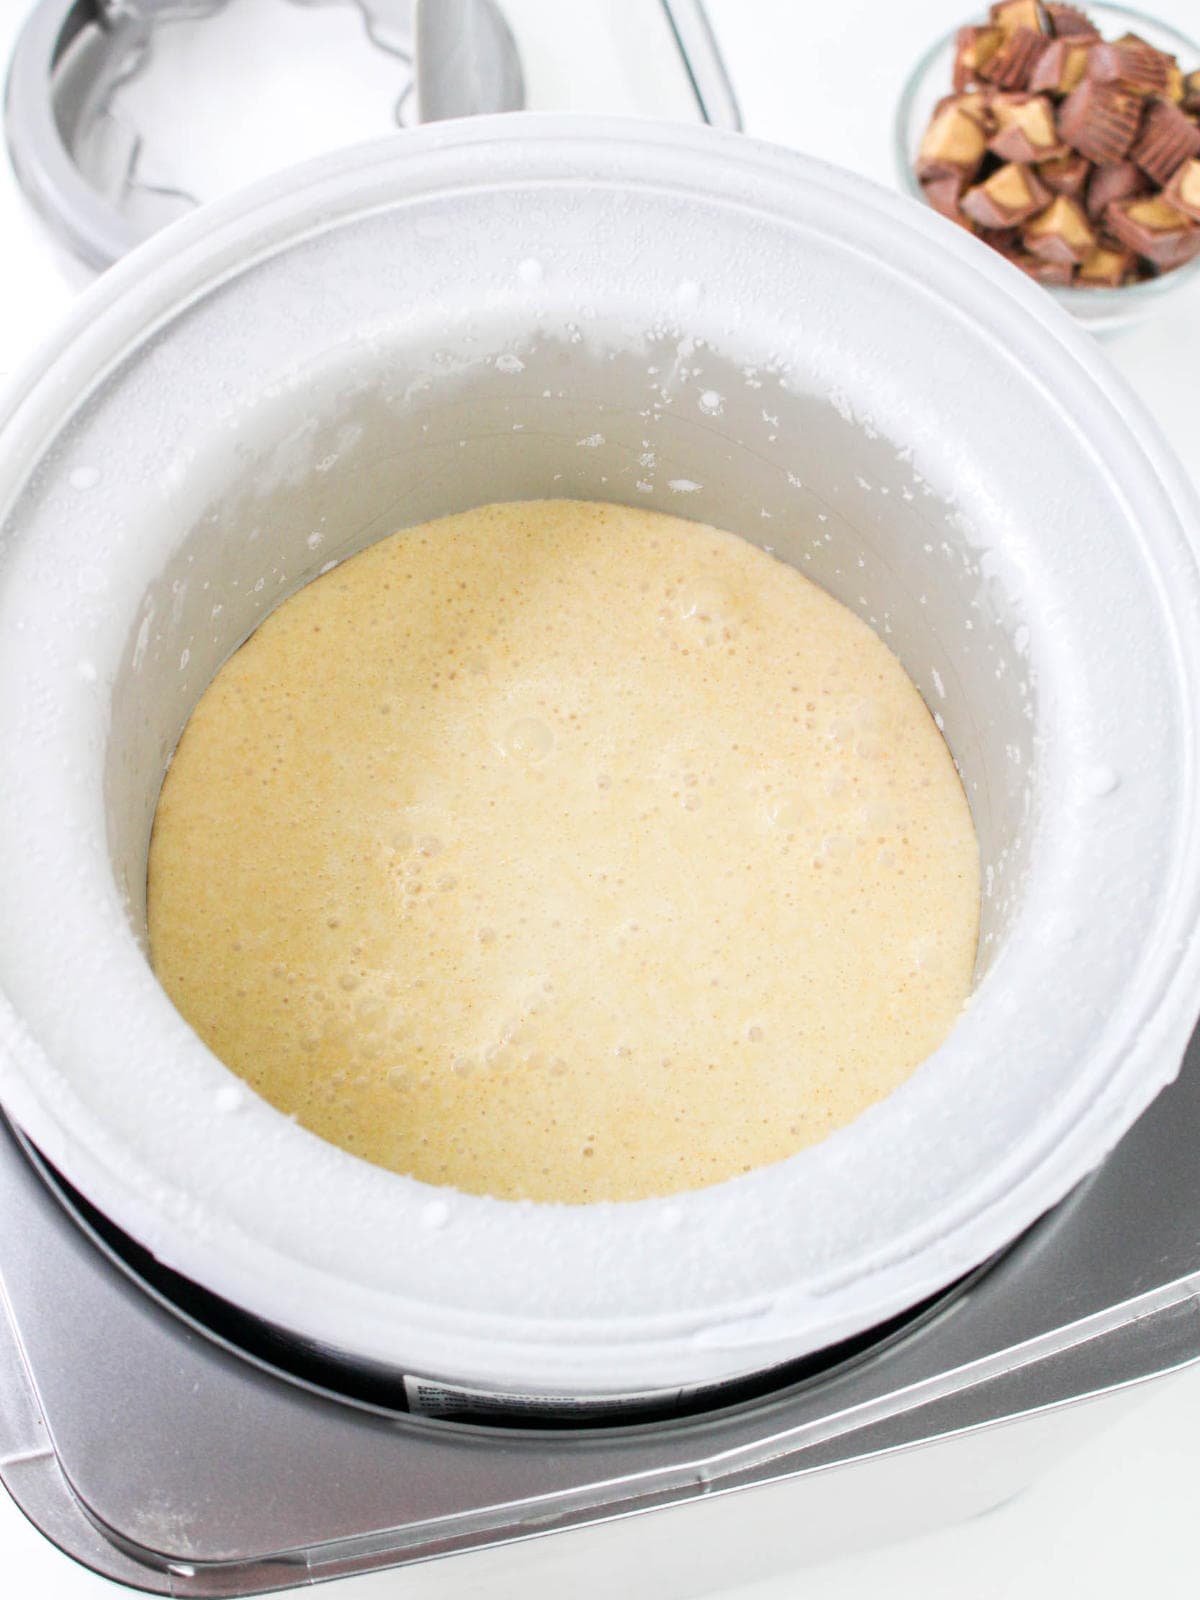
<point>565,851</point>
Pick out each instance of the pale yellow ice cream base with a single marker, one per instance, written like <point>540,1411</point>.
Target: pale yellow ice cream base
<point>565,851</point>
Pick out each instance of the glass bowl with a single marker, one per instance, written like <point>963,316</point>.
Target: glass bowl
<point>1102,311</point>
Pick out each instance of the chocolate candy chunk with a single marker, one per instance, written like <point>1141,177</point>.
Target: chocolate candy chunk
<point>1066,174</point>
<point>1167,139</point>
<point>1060,67</point>
<point>1131,64</point>
<point>1055,274</point>
<point>1025,129</point>
<point>1011,15</point>
<point>1066,22</point>
<point>973,49</point>
<point>1114,180</point>
<point>943,194</point>
<point>1099,120</point>
<point>977,106</point>
<point>1107,266</point>
<point>1183,191</point>
<point>1011,65</point>
<point>954,142</point>
<point>1152,227</point>
<point>1075,157</point>
<point>1012,194</point>
<point>1061,232</point>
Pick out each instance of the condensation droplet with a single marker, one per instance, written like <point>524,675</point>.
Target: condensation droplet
<point>1099,781</point>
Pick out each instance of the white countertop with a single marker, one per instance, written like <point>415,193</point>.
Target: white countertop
<point>1117,1518</point>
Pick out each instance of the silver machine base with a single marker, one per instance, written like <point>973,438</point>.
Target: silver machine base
<point>159,1454</point>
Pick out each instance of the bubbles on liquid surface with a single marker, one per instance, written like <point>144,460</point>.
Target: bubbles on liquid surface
<point>878,816</point>
<point>787,812</point>
<point>529,740</point>
<point>708,600</point>
<point>712,403</point>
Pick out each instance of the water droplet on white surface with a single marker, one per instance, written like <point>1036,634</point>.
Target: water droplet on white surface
<point>530,272</point>
<point>687,296</point>
<point>91,580</point>
<point>435,1214</point>
<point>84,478</point>
<point>1100,780</point>
<point>230,1098</point>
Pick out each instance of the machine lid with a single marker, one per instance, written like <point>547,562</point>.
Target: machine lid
<point>123,115</point>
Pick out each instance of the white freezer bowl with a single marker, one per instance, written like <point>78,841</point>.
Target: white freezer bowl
<point>146,1445</point>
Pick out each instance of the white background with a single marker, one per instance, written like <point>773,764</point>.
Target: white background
<point>1118,1518</point>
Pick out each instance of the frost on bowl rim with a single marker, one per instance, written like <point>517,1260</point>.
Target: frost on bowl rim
<point>108,1081</point>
